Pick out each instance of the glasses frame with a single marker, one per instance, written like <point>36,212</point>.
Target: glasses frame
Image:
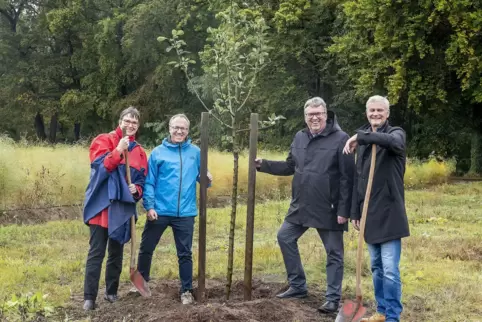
<point>131,123</point>
<point>318,115</point>
<point>177,128</point>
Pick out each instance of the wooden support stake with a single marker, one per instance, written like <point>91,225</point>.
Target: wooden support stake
<point>248,259</point>
<point>202,206</point>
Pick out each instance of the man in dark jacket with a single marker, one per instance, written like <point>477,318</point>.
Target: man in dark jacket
<point>386,221</point>
<point>321,198</point>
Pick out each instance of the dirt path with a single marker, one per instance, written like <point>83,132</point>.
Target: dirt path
<point>42,214</point>
<point>37,216</point>
<point>164,305</point>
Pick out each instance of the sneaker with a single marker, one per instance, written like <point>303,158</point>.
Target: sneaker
<point>111,297</point>
<point>187,298</point>
<point>377,317</point>
<point>89,305</point>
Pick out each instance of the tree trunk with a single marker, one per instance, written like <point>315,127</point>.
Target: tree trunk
<point>77,131</point>
<point>12,19</point>
<point>53,127</point>
<point>232,226</point>
<point>476,144</point>
<point>40,127</point>
<point>476,154</point>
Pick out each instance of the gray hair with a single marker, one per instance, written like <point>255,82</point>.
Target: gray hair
<point>130,111</point>
<point>182,116</point>
<point>379,99</point>
<point>315,102</point>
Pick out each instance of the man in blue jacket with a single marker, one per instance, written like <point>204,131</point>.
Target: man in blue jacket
<point>170,200</point>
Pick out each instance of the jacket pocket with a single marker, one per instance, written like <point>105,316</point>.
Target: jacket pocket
<point>320,192</point>
<point>388,190</point>
<point>296,186</point>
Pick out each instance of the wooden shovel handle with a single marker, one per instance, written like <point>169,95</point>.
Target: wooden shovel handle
<point>126,157</point>
<point>359,255</point>
<point>133,219</point>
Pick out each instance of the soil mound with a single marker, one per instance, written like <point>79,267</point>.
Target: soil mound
<point>164,305</point>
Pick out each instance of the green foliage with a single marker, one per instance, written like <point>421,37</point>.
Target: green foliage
<point>160,131</point>
<point>424,54</point>
<point>290,13</point>
<point>27,307</point>
<point>419,174</point>
<point>68,67</point>
<point>236,52</point>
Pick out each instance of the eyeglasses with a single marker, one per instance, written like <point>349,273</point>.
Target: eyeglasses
<point>318,115</point>
<point>133,123</point>
<point>179,128</point>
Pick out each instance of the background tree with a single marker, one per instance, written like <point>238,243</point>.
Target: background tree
<point>426,56</point>
<point>235,53</point>
<point>68,67</point>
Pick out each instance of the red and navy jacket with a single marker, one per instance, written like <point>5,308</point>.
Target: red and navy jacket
<point>108,201</point>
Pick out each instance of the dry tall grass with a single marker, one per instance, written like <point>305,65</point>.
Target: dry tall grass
<point>36,176</point>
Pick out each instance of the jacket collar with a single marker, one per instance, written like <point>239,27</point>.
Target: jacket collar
<point>382,129</point>
<point>167,142</point>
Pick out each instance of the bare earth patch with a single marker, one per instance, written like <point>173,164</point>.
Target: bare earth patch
<point>38,216</point>
<point>164,305</point>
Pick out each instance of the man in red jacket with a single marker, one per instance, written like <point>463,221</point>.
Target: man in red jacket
<point>110,203</point>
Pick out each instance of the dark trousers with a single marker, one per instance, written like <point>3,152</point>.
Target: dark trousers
<point>288,236</point>
<point>99,240</point>
<point>182,228</point>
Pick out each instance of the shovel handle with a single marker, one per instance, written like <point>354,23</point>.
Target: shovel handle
<point>361,235</point>
<point>133,219</point>
<point>133,242</point>
<point>126,157</point>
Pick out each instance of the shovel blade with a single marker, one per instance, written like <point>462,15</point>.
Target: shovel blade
<point>351,312</point>
<point>140,283</point>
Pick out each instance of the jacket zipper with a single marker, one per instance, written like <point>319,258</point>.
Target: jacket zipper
<point>180,186</point>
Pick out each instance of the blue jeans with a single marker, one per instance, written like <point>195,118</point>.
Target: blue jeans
<point>182,228</point>
<point>385,259</point>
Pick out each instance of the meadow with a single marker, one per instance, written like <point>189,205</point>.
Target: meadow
<point>441,262</point>
<point>34,176</point>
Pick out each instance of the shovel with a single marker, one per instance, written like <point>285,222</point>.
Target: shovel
<point>353,311</point>
<point>136,278</point>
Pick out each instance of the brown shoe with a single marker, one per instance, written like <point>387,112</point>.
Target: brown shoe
<point>377,317</point>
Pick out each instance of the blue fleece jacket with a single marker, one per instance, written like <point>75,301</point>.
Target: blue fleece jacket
<point>170,187</point>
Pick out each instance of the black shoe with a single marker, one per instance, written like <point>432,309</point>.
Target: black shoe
<point>292,293</point>
<point>329,307</point>
<point>110,298</point>
<point>89,305</point>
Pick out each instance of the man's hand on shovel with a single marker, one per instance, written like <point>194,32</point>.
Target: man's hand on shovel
<point>133,188</point>
<point>356,224</point>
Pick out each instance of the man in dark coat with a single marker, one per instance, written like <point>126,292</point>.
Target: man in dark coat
<point>321,198</point>
<point>386,221</point>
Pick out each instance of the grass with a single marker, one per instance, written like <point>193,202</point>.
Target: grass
<point>441,262</point>
<point>41,176</point>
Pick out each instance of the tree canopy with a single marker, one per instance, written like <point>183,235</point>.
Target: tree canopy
<point>68,67</point>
